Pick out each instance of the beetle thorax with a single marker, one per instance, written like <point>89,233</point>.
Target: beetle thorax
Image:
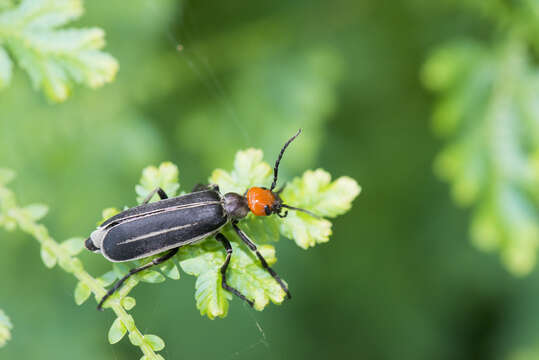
<point>236,206</point>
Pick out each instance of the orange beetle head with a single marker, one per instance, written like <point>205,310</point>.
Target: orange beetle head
<point>260,200</point>
<point>263,202</point>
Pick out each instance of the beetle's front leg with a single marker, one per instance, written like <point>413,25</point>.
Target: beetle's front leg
<point>221,238</point>
<point>265,265</point>
<point>162,195</point>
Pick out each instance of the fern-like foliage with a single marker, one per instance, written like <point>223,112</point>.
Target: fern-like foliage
<point>13,216</point>
<point>313,191</point>
<point>488,109</point>
<point>53,57</point>
<point>5,329</point>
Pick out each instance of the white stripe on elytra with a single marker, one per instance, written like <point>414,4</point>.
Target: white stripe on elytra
<point>155,233</point>
<point>101,232</point>
<point>158,211</point>
<point>160,250</point>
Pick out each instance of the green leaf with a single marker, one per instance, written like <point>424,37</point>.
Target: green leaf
<point>249,277</point>
<point>305,230</point>
<point>249,170</point>
<point>120,269</point>
<point>6,68</point>
<point>315,192</point>
<point>117,331</point>
<point>55,58</point>
<point>155,342</point>
<point>211,299</point>
<point>263,229</point>
<point>5,329</point>
<point>170,270</point>
<point>108,278</point>
<point>128,303</point>
<point>151,276</point>
<point>134,339</point>
<point>48,257</point>
<point>488,113</point>
<point>82,293</point>
<point>165,176</point>
<point>73,246</point>
<point>203,261</point>
<point>244,273</point>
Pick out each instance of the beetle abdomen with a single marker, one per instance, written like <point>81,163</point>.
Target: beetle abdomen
<point>148,233</point>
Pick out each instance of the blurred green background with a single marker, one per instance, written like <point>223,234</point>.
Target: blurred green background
<point>399,278</point>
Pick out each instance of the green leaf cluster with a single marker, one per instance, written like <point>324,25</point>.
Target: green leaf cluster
<point>13,216</point>
<point>120,328</point>
<point>487,109</point>
<point>5,329</point>
<point>314,191</point>
<point>203,260</point>
<point>32,33</point>
<point>244,273</point>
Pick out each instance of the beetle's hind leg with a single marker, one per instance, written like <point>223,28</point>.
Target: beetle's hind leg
<point>162,195</point>
<point>119,283</point>
<point>263,261</point>
<point>221,238</point>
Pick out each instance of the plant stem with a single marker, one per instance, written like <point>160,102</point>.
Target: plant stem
<point>73,265</point>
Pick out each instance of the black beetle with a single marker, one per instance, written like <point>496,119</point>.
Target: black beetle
<point>168,224</point>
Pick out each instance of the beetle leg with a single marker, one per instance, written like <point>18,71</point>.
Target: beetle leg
<point>162,194</point>
<point>221,238</point>
<point>253,247</point>
<point>119,283</point>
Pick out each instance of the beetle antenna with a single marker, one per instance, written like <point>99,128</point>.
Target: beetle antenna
<point>276,167</point>
<point>302,210</point>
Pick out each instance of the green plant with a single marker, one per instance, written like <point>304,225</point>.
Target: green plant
<point>5,329</point>
<point>26,218</point>
<point>54,58</point>
<point>314,190</point>
<point>488,110</point>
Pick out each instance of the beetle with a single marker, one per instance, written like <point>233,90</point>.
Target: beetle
<point>170,223</point>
